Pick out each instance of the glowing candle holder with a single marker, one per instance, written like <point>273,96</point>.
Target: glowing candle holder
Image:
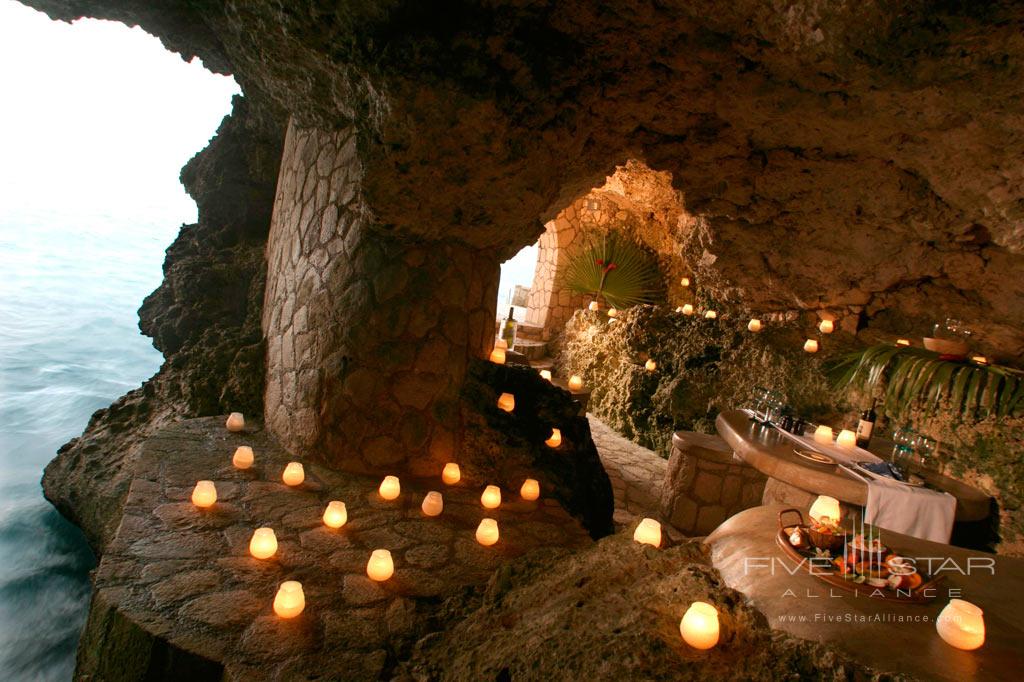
<point>575,383</point>
<point>902,342</point>
<point>235,422</point>
<point>823,434</point>
<point>754,325</point>
<point>846,439</point>
<point>612,312</point>
<point>545,374</point>
<point>961,624</point>
<point>491,497</point>
<point>648,532</point>
<point>390,488</point>
<point>699,625</point>
<point>710,315</point>
<point>811,345</point>
<point>290,600</point>
<point>980,359</point>
<point>679,309</point>
<point>336,514</point>
<point>263,544</point>
<point>204,494</point>
<point>451,474</point>
<point>594,306</point>
<point>501,343</point>
<point>487,532</point>
<point>826,326</point>
<point>498,356</point>
<point>293,474</point>
<point>507,402</point>
<point>684,282</point>
<point>825,507</point>
<point>650,365</point>
<point>381,566</point>
<point>688,309</point>
<point>433,504</point>
<point>555,440</point>
<point>530,490</point>
<point>243,457</point>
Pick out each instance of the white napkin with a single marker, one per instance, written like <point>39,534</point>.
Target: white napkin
<point>920,512</point>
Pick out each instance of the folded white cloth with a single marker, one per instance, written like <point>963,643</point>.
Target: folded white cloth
<point>920,512</point>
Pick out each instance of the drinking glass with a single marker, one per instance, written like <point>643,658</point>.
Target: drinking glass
<point>775,405</point>
<point>903,443</point>
<point>757,399</point>
<point>924,449</point>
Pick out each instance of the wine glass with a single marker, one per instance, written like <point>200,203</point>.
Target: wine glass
<point>775,405</point>
<point>924,449</point>
<point>758,397</point>
<point>903,443</point>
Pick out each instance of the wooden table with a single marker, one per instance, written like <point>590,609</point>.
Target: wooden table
<point>771,453</point>
<point>888,636</point>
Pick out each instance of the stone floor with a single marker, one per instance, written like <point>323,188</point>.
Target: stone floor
<point>185,575</point>
<point>636,473</point>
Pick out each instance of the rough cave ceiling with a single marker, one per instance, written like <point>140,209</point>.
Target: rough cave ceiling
<point>849,153</point>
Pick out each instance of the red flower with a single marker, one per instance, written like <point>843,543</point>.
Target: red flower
<point>600,261</point>
<point>611,266</point>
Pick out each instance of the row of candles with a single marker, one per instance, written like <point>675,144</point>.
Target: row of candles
<point>289,601</point>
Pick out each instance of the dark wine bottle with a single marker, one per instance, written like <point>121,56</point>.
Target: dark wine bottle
<point>866,426</point>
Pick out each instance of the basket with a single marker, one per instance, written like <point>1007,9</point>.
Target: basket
<point>945,346</point>
<point>830,541</point>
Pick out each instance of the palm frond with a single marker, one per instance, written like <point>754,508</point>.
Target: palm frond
<point>616,269</point>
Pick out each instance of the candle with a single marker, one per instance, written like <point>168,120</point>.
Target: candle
<point>754,325</point>
<point>648,532</point>
<point>811,345</point>
<point>380,567</point>
<point>826,326</point>
<point>612,312</point>
<point>433,503</point>
<point>290,600</point>
<point>487,532</point>
<point>235,422</point>
<point>846,439</point>
<point>650,365</point>
<point>555,440</point>
<point>685,282</point>
<point>825,507</point>
<point>980,359</point>
<point>243,457</point>
<point>390,488</point>
<point>491,497</point>
<point>501,343</point>
<point>699,625</point>
<point>710,315</point>
<point>679,309</point>
<point>293,474</point>
<point>451,474</point>
<point>507,402</point>
<point>575,383</point>
<point>336,514</point>
<point>902,342</point>
<point>204,494</point>
<point>594,306</point>
<point>498,356</point>
<point>823,434</point>
<point>530,490</point>
<point>545,374</point>
<point>961,624</point>
<point>688,309</point>
<point>263,544</point>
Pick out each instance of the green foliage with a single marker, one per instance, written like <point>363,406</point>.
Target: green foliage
<point>917,378</point>
<point>616,269</point>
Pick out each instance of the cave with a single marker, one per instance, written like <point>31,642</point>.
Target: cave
<point>824,206</point>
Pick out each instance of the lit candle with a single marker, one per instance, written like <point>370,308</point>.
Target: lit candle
<point>336,514</point>
<point>902,342</point>
<point>846,439</point>
<point>710,315</point>
<point>826,326</point>
<point>293,474</point>
<point>380,567</point>
<point>648,532</point>
<point>263,544</point>
<point>390,488</point>
<point>679,309</point>
<point>451,474</point>
<point>823,434</point>
<point>555,440</point>
<point>699,625</point>
<point>980,359</point>
<point>545,374</point>
<point>530,490</point>
<point>961,624</point>
<point>688,309</point>
<point>433,503</point>
<point>491,498</point>
<point>501,343</point>
<point>612,312</point>
<point>204,494</point>
<point>685,282</point>
<point>575,383</point>
<point>290,600</point>
<point>487,532</point>
<point>507,402</point>
<point>498,356</point>
<point>811,345</point>
<point>243,457</point>
<point>650,365</point>
<point>754,325</point>
<point>825,507</point>
<point>594,306</point>
<point>235,422</point>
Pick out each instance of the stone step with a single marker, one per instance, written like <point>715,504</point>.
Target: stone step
<point>529,332</point>
<point>533,350</point>
<point>542,363</point>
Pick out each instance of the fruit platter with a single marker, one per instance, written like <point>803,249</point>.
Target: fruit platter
<point>856,562</point>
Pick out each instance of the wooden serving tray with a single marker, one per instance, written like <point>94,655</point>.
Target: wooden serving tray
<point>922,594</point>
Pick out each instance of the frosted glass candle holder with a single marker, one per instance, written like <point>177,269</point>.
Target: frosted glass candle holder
<point>263,544</point>
<point>290,600</point>
<point>433,504</point>
<point>294,474</point>
<point>699,626</point>
<point>487,532</point>
<point>204,494</point>
<point>530,490</point>
<point>491,497</point>
<point>381,566</point>
<point>336,514</point>
<point>451,474</point>
<point>235,422</point>
<point>243,457</point>
<point>648,532</point>
<point>390,488</point>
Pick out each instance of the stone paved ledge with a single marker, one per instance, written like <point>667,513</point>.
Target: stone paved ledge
<point>185,577</point>
<point>636,473</point>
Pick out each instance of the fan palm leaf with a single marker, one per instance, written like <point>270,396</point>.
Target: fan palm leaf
<point>616,269</point>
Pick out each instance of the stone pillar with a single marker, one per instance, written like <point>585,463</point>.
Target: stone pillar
<point>368,336</point>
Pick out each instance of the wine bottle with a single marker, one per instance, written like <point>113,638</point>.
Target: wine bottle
<point>508,329</point>
<point>866,426</point>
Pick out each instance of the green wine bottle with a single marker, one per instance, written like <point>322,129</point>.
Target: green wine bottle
<point>508,329</point>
